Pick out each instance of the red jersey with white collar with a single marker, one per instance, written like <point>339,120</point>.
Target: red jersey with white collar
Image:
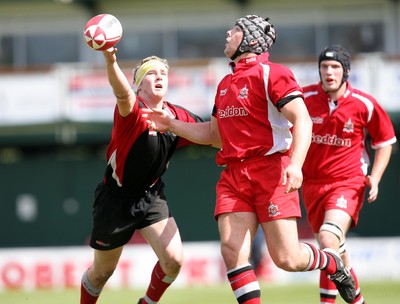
<point>339,133</point>
<point>247,108</point>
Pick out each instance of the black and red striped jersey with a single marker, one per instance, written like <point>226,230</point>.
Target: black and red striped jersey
<point>136,156</point>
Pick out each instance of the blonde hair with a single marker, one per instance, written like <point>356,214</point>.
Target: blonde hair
<point>144,66</point>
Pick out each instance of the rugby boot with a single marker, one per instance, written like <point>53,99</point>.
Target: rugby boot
<point>342,278</point>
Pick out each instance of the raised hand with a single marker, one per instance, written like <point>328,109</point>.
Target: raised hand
<point>156,119</point>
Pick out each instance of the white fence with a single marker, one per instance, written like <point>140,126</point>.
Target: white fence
<point>82,93</point>
<point>62,267</point>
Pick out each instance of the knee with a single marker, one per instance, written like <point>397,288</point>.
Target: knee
<point>328,240</point>
<point>172,265</point>
<point>231,256</point>
<point>285,263</point>
<point>100,276</point>
<point>331,235</point>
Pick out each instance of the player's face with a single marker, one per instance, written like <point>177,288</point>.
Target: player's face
<point>233,39</point>
<point>155,83</point>
<point>331,72</point>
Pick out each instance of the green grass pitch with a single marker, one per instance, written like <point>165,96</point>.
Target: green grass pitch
<point>374,292</point>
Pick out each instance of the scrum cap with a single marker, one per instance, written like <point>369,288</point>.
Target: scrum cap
<point>258,35</point>
<point>338,53</point>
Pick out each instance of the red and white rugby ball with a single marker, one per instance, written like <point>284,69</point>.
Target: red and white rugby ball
<point>102,32</point>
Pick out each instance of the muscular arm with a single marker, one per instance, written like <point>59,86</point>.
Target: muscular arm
<point>381,160</point>
<point>122,90</point>
<point>296,112</point>
<point>205,133</point>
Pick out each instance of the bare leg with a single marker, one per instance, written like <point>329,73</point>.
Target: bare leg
<point>166,242</point>
<point>237,231</point>
<point>94,279</point>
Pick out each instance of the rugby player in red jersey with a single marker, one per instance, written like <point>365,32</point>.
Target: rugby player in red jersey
<point>265,130</point>
<point>336,167</point>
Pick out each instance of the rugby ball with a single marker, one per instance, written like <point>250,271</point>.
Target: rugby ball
<point>102,32</point>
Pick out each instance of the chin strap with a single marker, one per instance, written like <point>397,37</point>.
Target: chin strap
<point>343,82</point>
<point>237,53</point>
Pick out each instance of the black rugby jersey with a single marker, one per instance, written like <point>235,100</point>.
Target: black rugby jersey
<point>136,156</point>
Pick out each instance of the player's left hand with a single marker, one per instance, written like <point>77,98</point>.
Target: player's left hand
<point>293,178</point>
<point>372,183</point>
<point>157,119</point>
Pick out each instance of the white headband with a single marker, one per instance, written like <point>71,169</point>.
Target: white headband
<point>144,69</point>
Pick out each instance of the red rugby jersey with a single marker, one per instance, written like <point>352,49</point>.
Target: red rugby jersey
<point>247,109</point>
<point>339,132</point>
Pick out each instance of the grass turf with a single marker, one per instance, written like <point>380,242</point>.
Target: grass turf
<point>374,292</point>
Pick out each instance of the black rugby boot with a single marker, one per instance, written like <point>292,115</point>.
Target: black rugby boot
<point>342,278</point>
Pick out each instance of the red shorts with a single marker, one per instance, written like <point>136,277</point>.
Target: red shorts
<point>255,185</point>
<point>347,195</point>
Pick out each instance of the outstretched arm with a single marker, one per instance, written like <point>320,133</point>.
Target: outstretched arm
<point>205,133</point>
<point>122,90</point>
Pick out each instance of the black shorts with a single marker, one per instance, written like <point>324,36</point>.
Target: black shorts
<point>116,218</point>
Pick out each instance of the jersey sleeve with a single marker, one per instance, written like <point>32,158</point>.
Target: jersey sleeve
<point>380,128</point>
<point>283,86</point>
<point>124,124</point>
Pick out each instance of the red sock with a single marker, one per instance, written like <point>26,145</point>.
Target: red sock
<point>87,298</point>
<point>327,289</point>
<point>245,285</point>
<point>158,284</point>
<point>359,298</point>
<point>89,294</point>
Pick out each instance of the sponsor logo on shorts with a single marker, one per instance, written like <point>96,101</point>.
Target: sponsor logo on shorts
<point>341,202</point>
<point>120,229</point>
<point>101,243</point>
<point>273,210</point>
